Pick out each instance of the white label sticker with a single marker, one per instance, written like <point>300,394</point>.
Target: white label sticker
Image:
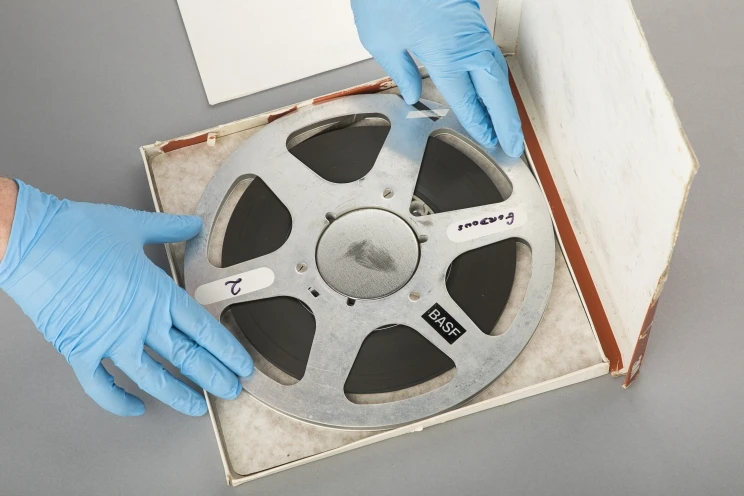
<point>420,114</point>
<point>233,286</point>
<point>492,223</point>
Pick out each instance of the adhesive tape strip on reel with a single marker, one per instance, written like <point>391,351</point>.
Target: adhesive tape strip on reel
<point>341,328</point>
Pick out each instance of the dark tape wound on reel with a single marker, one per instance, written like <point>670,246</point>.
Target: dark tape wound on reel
<point>394,357</point>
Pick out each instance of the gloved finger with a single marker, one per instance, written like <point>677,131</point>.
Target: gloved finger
<point>165,228</point>
<point>459,93</point>
<point>403,71</point>
<point>194,321</point>
<point>153,379</point>
<point>195,362</point>
<point>493,88</point>
<point>99,385</point>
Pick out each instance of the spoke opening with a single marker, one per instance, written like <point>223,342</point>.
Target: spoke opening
<point>341,150</point>
<point>455,176</point>
<point>395,362</point>
<point>489,283</point>
<point>277,332</point>
<point>477,157</point>
<point>252,222</point>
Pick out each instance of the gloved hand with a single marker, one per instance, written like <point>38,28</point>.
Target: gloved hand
<point>78,270</point>
<point>452,41</point>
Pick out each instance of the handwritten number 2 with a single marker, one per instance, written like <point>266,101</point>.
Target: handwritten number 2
<point>234,288</point>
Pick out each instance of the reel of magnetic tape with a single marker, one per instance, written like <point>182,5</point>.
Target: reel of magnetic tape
<point>373,251</point>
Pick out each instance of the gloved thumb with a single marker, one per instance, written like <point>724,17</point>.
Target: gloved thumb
<point>165,228</point>
<point>402,69</point>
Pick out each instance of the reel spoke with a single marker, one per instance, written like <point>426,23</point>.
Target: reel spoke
<point>260,278</point>
<point>300,189</point>
<point>450,234</point>
<point>444,321</point>
<point>397,166</point>
<point>336,345</point>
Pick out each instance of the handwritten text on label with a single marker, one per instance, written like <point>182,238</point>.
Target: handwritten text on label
<point>238,284</point>
<point>473,228</point>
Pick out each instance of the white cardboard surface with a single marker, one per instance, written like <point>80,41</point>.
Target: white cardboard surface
<point>506,27</point>
<point>619,156</point>
<point>243,48</point>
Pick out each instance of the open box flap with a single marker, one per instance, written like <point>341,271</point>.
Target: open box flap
<point>615,150</point>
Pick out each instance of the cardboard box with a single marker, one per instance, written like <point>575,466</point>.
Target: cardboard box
<point>615,167</point>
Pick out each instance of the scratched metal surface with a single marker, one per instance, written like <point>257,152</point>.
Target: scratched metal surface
<point>83,84</point>
<point>257,437</point>
<point>342,328</point>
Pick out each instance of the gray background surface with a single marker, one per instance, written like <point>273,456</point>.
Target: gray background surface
<point>84,83</point>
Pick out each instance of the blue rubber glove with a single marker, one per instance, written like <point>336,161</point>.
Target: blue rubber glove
<point>452,41</point>
<point>78,270</point>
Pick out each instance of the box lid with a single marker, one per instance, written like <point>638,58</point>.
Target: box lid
<point>615,150</point>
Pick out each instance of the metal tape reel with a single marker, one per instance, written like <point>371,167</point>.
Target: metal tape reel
<point>382,196</point>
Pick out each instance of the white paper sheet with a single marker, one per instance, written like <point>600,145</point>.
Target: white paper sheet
<point>244,47</point>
